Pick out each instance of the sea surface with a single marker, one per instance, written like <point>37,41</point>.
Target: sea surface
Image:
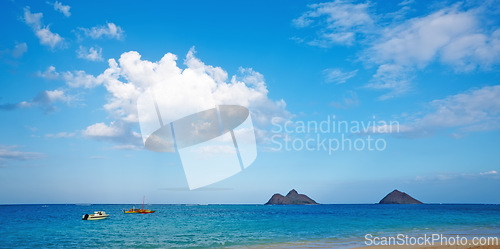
<point>236,226</point>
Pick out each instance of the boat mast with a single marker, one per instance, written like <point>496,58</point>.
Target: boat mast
<point>144,197</point>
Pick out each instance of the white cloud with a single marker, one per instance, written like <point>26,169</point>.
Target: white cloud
<point>43,33</point>
<point>44,99</point>
<point>462,37</point>
<point>49,73</point>
<point>47,37</point>
<point>418,41</point>
<point>130,76</point>
<point>64,9</point>
<point>339,22</point>
<point>472,51</point>
<point>126,147</point>
<point>406,2</point>
<point>33,20</point>
<point>393,78</point>
<point>91,54</point>
<point>11,153</point>
<point>53,96</point>
<point>248,88</point>
<point>471,111</point>
<point>339,37</point>
<point>60,135</point>
<point>477,109</point>
<point>491,172</point>
<point>337,15</point>
<point>47,99</point>
<point>19,50</point>
<point>336,75</point>
<point>111,31</point>
<point>450,36</point>
<point>14,106</point>
<point>81,79</point>
<point>103,130</point>
<point>116,132</point>
<point>76,78</point>
<point>297,39</point>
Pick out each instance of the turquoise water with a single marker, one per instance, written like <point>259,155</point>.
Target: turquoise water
<point>181,226</point>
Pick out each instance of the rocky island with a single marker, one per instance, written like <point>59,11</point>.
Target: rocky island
<point>292,198</point>
<point>398,197</point>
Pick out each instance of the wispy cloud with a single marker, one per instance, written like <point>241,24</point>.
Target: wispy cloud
<point>12,152</point>
<point>47,97</point>
<point>102,130</point>
<point>60,135</point>
<point>406,2</point>
<point>451,36</point>
<point>339,22</point>
<point>13,106</point>
<point>472,111</point>
<point>74,79</point>
<point>80,78</point>
<point>126,147</point>
<point>43,99</point>
<point>461,37</point>
<point>11,56</point>
<point>117,132</point>
<point>393,78</point>
<point>110,31</point>
<point>46,37</point>
<point>491,172</point>
<point>448,176</point>
<point>64,9</point>
<point>335,75</point>
<point>49,73</point>
<point>91,54</point>
<point>19,50</point>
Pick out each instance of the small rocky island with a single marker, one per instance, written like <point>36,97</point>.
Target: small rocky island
<point>398,197</point>
<point>292,198</point>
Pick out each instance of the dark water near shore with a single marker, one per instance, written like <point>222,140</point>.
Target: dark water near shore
<point>181,226</point>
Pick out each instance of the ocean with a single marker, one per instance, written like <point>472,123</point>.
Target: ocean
<point>236,226</point>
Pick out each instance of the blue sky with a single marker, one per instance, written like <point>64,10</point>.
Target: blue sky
<point>71,72</point>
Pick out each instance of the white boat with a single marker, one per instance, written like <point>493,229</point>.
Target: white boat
<point>98,215</point>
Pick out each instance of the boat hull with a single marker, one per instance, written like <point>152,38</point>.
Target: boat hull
<point>139,212</point>
<point>96,216</point>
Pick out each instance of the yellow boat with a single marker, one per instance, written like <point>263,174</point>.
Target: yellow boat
<point>139,211</point>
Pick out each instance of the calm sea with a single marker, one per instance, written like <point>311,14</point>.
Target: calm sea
<point>240,226</point>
